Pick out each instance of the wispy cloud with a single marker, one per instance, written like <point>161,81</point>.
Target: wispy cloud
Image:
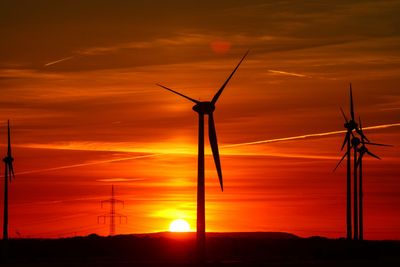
<point>163,148</point>
<point>188,151</point>
<point>183,39</point>
<point>388,109</point>
<point>116,180</point>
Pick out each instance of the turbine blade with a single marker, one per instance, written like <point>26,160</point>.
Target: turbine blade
<point>216,96</point>
<point>360,159</point>
<point>360,131</point>
<point>9,140</point>
<point>363,137</point>
<point>214,147</point>
<point>351,104</point>
<point>345,154</point>
<point>6,172</point>
<point>344,115</point>
<point>346,139</point>
<point>373,155</point>
<point>175,92</point>
<point>376,144</point>
<point>12,175</point>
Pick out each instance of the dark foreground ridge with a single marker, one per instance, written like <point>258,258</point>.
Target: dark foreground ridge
<point>178,249</point>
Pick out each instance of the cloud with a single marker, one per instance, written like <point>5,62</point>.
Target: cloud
<point>126,33</point>
<point>116,180</point>
<point>156,150</point>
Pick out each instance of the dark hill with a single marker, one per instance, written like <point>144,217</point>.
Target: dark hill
<point>253,235</point>
<point>178,249</point>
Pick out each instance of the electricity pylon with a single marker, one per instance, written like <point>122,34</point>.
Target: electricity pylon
<point>112,214</point>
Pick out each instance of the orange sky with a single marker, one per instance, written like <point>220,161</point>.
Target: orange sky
<point>77,81</point>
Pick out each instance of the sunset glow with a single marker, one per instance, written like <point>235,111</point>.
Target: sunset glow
<point>78,84</point>
<point>179,225</point>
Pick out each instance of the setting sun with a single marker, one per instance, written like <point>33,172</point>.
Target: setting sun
<point>179,225</point>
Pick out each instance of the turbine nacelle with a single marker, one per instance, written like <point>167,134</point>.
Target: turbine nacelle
<point>363,149</point>
<point>8,160</point>
<point>205,107</point>
<point>351,125</point>
<point>355,141</point>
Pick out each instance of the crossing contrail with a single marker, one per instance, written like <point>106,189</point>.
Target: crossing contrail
<point>86,164</point>
<point>260,142</point>
<point>383,126</point>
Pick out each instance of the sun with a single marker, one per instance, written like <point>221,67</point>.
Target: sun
<point>179,225</point>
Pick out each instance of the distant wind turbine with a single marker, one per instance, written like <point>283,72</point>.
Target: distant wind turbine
<point>8,176</point>
<point>205,108</point>
<point>354,142</point>
<point>362,151</point>
<point>350,125</point>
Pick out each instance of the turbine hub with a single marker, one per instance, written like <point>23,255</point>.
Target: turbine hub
<point>8,159</point>
<point>355,141</point>
<point>204,107</point>
<point>351,125</point>
<point>363,149</point>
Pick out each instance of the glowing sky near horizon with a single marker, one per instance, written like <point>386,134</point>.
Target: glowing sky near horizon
<point>77,81</point>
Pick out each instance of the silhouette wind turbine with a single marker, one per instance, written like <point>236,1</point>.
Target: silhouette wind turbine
<point>205,108</point>
<point>8,176</point>
<point>362,151</point>
<point>350,125</point>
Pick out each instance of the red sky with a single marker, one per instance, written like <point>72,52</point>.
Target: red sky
<point>77,81</point>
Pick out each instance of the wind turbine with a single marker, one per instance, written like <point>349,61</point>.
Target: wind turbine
<point>350,125</point>
<point>362,151</point>
<point>205,108</point>
<point>8,176</point>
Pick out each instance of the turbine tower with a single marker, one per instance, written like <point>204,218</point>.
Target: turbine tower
<point>362,151</point>
<point>205,108</point>
<point>8,176</point>
<point>112,214</point>
<point>355,142</point>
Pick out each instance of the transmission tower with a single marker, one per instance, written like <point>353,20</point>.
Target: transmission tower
<point>112,214</point>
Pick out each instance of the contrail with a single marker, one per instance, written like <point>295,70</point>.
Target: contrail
<point>383,126</point>
<point>58,61</point>
<point>86,164</point>
<point>288,73</point>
